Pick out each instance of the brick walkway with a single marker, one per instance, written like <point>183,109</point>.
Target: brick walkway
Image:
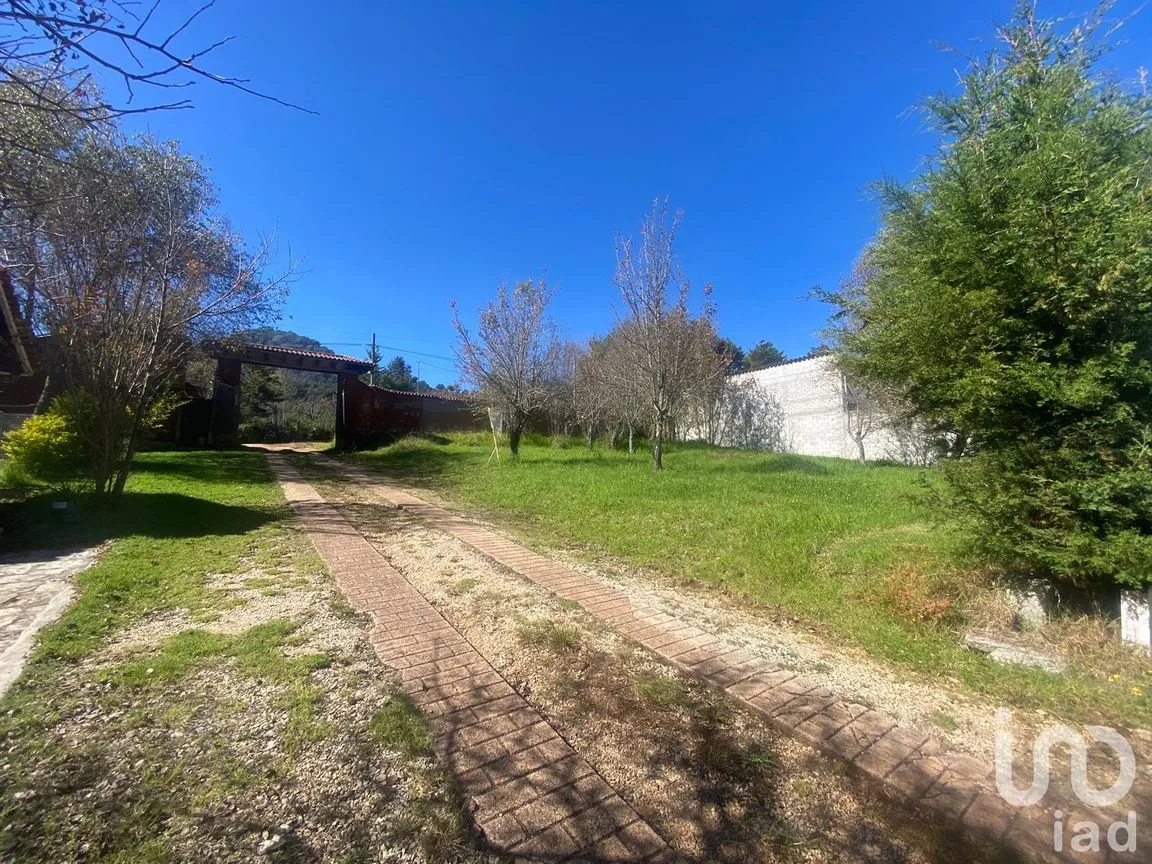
<point>534,796</point>
<point>34,591</point>
<point>906,763</point>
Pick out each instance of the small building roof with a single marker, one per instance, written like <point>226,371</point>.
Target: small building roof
<point>287,358</point>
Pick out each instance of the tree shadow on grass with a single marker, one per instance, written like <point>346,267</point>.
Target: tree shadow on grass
<point>33,524</point>
<point>207,466</point>
<point>781,463</point>
<point>424,465</point>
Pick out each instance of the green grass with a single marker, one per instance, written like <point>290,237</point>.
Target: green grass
<point>398,726</point>
<point>184,515</point>
<point>157,748</point>
<point>558,638</point>
<point>462,586</point>
<point>258,652</point>
<point>829,541</point>
<point>662,691</point>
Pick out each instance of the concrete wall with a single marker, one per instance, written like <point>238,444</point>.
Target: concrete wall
<point>815,418</point>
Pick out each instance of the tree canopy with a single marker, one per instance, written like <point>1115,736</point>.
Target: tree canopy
<point>763,355</point>
<point>1007,303</point>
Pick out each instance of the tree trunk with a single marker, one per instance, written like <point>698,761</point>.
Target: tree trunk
<point>514,433</point>
<point>591,435</point>
<point>631,446</point>
<point>43,402</point>
<point>126,467</point>
<point>657,446</point>
<point>100,477</point>
<point>104,462</point>
<point>860,451</point>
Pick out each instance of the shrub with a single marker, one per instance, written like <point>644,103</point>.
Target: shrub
<point>1006,304</point>
<point>12,476</point>
<point>47,448</point>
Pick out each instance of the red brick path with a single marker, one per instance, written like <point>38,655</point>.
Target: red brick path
<point>906,763</point>
<point>534,796</point>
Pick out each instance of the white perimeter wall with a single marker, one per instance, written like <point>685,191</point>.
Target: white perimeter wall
<point>815,422</point>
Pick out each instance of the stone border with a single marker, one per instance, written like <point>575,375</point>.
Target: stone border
<point>533,796</point>
<point>25,612</point>
<point>907,764</point>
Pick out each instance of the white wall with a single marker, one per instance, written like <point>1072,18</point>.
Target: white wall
<point>815,422</point>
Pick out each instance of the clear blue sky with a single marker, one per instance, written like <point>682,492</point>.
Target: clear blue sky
<point>459,143</point>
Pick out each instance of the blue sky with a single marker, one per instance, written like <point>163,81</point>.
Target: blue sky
<point>457,144</point>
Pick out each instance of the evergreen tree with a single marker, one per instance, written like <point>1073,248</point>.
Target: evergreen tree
<point>763,355</point>
<point>1007,300</point>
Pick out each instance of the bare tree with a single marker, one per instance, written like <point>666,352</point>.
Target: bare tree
<point>510,359</point>
<point>666,346</point>
<point>709,404</point>
<point>610,391</point>
<point>863,414</point>
<point>136,270</point>
<point>592,388</point>
<point>560,408</point>
<point>50,50</point>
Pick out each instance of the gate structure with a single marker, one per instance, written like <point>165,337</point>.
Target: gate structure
<point>224,424</point>
<point>366,416</point>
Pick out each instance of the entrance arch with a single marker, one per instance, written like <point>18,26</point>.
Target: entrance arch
<point>224,424</point>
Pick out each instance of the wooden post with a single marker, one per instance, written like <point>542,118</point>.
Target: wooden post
<point>341,431</point>
<point>224,425</point>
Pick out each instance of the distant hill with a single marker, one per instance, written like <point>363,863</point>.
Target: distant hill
<point>283,339</point>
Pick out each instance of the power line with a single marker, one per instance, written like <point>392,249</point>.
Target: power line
<point>404,351</point>
<point>417,353</point>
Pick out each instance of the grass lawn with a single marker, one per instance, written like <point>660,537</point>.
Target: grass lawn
<point>845,546</point>
<point>207,690</point>
<point>184,514</point>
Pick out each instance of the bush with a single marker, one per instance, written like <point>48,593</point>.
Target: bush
<point>12,477</point>
<point>1006,305</point>
<point>47,448</point>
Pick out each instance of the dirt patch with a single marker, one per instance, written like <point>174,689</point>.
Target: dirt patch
<point>716,781</point>
<point>262,729</point>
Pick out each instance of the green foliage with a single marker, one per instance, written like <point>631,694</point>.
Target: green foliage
<point>764,354</point>
<point>260,391</point>
<point>1007,301</point>
<point>286,404</point>
<point>398,375</point>
<point>733,356</point>
<point>47,448</point>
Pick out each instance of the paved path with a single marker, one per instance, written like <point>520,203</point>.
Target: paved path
<point>908,764</point>
<point>534,796</point>
<point>34,591</point>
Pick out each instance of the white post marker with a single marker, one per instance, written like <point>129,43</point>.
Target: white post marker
<point>496,421</point>
<point>1136,617</point>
